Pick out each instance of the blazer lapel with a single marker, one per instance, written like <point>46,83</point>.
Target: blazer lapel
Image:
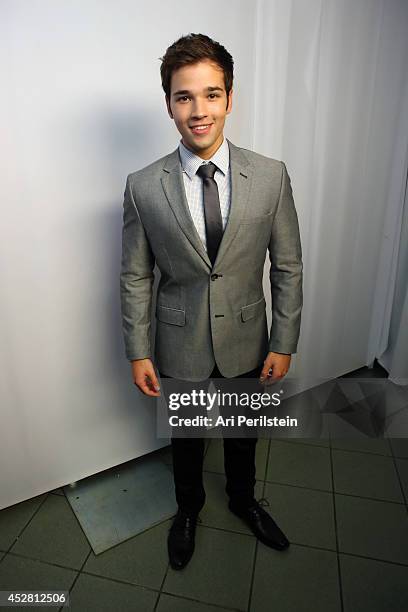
<point>173,185</point>
<point>241,176</point>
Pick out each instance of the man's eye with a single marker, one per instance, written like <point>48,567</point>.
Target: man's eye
<point>183,98</point>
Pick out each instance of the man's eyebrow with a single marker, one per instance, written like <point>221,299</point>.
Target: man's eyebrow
<point>185,92</point>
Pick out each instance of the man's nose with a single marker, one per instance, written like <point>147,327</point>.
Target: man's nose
<point>199,110</point>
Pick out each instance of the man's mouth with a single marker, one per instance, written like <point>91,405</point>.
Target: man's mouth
<point>201,129</point>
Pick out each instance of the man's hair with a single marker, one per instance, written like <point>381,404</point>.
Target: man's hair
<point>191,49</point>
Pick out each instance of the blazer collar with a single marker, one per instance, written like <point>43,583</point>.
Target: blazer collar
<point>173,185</point>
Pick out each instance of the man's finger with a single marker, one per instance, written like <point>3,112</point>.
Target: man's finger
<point>266,372</point>
<point>153,378</point>
<point>145,386</point>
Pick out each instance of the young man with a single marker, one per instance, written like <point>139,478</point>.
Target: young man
<point>207,214</point>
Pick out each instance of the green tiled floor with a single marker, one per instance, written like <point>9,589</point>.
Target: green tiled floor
<point>342,504</point>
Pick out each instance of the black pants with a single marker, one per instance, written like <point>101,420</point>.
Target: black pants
<point>239,465</point>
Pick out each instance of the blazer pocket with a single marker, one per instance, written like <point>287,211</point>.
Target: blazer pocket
<point>174,316</point>
<point>251,310</point>
<point>257,219</point>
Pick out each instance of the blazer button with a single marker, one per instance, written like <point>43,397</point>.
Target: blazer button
<point>214,277</point>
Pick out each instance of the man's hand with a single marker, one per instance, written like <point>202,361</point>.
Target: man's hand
<point>145,377</point>
<point>279,363</point>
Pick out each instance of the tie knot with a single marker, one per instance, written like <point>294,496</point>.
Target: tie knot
<point>207,170</point>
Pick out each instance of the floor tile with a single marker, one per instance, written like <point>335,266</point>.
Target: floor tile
<point>376,371</point>
<point>171,603</point>
<point>95,594</point>
<point>15,518</point>
<point>142,560</point>
<point>214,458</point>
<point>312,441</point>
<point>54,535</point>
<point>363,445</point>
<point>299,464</point>
<point>219,572</point>
<point>299,579</point>
<point>304,515</point>
<point>216,512</point>
<point>18,573</point>
<point>397,425</point>
<point>399,447</point>
<point>373,585</point>
<point>308,408</point>
<point>372,528</point>
<point>402,467</point>
<point>165,454</point>
<point>352,422</point>
<point>366,474</point>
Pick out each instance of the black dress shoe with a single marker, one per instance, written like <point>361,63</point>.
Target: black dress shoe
<point>180,542</point>
<point>262,524</point>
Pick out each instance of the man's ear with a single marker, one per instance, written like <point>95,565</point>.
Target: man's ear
<point>168,107</point>
<point>229,104</point>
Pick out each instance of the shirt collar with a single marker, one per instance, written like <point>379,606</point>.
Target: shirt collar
<point>191,162</point>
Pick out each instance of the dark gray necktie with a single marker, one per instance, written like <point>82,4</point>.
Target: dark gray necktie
<point>212,210</point>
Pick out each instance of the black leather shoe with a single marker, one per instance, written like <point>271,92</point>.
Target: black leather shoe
<point>262,524</point>
<point>180,542</point>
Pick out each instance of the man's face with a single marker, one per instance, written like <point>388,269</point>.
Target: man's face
<point>198,98</point>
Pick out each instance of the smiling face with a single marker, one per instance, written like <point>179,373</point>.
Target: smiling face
<point>198,98</point>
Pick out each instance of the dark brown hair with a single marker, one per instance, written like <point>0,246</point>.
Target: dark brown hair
<point>191,49</point>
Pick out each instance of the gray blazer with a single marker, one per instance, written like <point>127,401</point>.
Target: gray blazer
<point>207,315</point>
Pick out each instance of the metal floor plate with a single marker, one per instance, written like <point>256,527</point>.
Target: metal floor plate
<point>117,504</point>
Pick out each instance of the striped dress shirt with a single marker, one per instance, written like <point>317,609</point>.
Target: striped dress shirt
<point>193,184</point>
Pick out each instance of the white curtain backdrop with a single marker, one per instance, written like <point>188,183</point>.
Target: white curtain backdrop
<point>320,84</point>
<point>393,353</point>
<point>332,101</point>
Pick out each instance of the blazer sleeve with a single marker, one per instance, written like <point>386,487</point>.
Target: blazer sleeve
<point>286,276</point>
<point>136,281</point>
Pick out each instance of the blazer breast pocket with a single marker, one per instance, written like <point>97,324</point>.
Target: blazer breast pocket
<point>173,316</point>
<point>257,219</point>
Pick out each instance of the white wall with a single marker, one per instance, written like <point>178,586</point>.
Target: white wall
<point>82,106</point>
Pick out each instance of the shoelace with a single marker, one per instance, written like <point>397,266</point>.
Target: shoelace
<point>262,502</point>
<point>198,518</point>
<point>186,526</point>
